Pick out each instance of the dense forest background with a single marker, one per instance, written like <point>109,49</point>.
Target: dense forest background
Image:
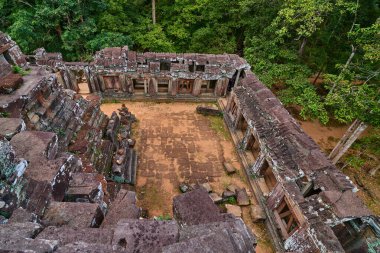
<point>321,57</point>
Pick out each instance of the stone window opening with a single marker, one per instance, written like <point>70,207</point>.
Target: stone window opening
<point>191,68</point>
<point>138,86</point>
<point>200,68</point>
<point>208,86</point>
<point>8,58</point>
<point>162,85</point>
<point>307,187</point>
<point>286,219</point>
<point>112,83</point>
<point>165,66</point>
<point>269,177</point>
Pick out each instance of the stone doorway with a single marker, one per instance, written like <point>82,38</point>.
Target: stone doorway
<point>185,86</point>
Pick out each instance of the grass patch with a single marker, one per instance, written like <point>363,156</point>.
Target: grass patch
<point>111,101</point>
<point>163,217</point>
<point>4,114</point>
<point>18,70</point>
<point>217,124</point>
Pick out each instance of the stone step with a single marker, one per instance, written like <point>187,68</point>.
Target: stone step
<point>9,127</point>
<point>148,236</point>
<point>123,207</point>
<point>65,235</point>
<point>73,214</point>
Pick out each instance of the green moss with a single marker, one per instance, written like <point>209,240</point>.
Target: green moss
<point>217,124</point>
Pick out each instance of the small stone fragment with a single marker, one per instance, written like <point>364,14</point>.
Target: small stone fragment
<point>242,197</point>
<point>229,168</point>
<point>207,186</point>
<point>257,213</point>
<point>235,210</point>
<point>216,198</point>
<point>184,187</point>
<point>232,188</point>
<point>228,194</point>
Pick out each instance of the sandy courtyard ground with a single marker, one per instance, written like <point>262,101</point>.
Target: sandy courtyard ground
<point>175,144</point>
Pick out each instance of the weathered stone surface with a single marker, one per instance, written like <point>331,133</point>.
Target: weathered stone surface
<point>84,247</point>
<point>242,197</point>
<point>85,187</point>
<point>228,236</point>
<point>257,213</point>
<point>21,215</point>
<point>145,235</point>
<point>123,207</point>
<point>229,168</point>
<point>27,245</point>
<point>11,126</point>
<point>195,207</point>
<point>75,215</point>
<point>228,194</point>
<point>235,210</point>
<point>19,230</point>
<point>66,235</point>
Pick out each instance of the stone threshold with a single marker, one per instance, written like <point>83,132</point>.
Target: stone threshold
<point>158,98</point>
<point>253,183</point>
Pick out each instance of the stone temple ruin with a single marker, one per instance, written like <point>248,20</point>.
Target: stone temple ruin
<point>62,160</point>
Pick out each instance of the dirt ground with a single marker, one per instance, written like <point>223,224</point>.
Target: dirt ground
<point>175,144</point>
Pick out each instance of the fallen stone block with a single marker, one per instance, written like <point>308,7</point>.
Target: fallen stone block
<point>209,110</point>
<point>27,245</point>
<point>85,187</point>
<point>228,194</point>
<point>21,215</point>
<point>229,168</point>
<point>195,207</point>
<point>123,207</point>
<point>235,210</point>
<point>242,197</point>
<point>233,188</point>
<point>72,214</point>
<point>9,127</point>
<point>242,235</point>
<point>257,213</point>
<point>19,230</point>
<point>148,236</point>
<point>66,235</point>
<point>216,198</point>
<point>84,247</point>
<point>207,186</point>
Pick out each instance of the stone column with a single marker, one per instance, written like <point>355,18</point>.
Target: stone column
<point>197,87</point>
<point>259,164</point>
<point>239,115</point>
<point>145,86</point>
<point>170,85</point>
<point>174,87</point>
<point>101,81</point>
<point>237,78</point>
<point>247,137</point>
<point>219,88</point>
<point>123,83</point>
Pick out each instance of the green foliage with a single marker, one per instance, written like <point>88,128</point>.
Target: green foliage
<point>355,161</point>
<point>4,114</point>
<point>163,217</point>
<point>231,201</point>
<point>369,143</point>
<point>18,70</point>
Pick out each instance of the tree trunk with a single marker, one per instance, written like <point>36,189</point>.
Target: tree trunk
<point>302,47</point>
<point>154,11</point>
<point>348,138</point>
<point>353,51</point>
